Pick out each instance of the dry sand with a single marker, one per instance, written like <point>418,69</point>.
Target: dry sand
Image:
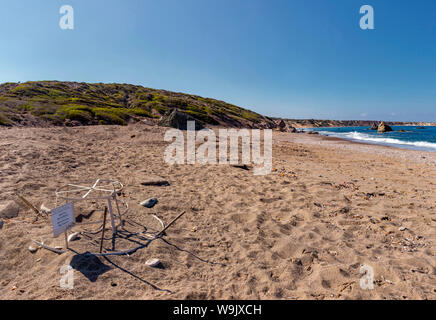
<point>301,232</point>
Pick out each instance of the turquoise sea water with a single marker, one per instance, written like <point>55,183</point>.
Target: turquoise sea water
<point>414,137</point>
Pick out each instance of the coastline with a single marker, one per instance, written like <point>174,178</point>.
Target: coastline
<point>418,156</point>
<point>360,146</point>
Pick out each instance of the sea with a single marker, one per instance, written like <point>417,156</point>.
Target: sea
<point>414,137</point>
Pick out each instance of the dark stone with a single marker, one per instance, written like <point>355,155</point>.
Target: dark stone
<point>178,120</point>
<point>382,127</point>
<point>149,203</point>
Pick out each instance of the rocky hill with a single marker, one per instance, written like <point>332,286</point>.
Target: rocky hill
<point>70,103</point>
<point>45,103</point>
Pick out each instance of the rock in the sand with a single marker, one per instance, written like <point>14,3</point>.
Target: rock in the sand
<point>154,263</point>
<point>383,127</point>
<point>10,209</point>
<point>149,203</point>
<point>241,166</point>
<point>178,120</point>
<point>74,236</point>
<point>32,249</point>
<point>153,180</point>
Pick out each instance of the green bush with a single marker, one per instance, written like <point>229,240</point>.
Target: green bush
<point>3,120</point>
<point>159,98</point>
<point>144,96</point>
<point>40,110</point>
<point>160,108</point>
<point>108,116</point>
<point>140,112</point>
<point>176,103</point>
<point>204,118</point>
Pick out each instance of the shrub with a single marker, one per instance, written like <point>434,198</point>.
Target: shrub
<point>159,98</point>
<point>204,118</point>
<point>109,116</point>
<point>176,103</point>
<point>161,108</point>
<point>40,110</point>
<point>3,120</point>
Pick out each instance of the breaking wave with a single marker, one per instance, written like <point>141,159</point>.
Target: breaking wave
<point>358,136</point>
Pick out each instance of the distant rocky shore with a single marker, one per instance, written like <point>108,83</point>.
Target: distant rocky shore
<point>312,123</point>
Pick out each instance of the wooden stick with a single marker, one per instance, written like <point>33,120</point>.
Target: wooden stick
<point>49,248</point>
<point>28,204</point>
<point>66,240</point>
<point>169,224</point>
<point>104,226</point>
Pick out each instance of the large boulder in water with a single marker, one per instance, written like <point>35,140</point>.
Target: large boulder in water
<point>374,126</point>
<point>178,120</point>
<point>382,127</point>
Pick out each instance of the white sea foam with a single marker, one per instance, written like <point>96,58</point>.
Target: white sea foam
<point>359,136</point>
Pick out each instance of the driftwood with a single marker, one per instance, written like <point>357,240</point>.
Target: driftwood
<point>27,203</point>
<point>42,245</point>
<point>169,224</point>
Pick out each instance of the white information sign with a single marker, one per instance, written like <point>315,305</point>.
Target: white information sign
<point>62,219</point>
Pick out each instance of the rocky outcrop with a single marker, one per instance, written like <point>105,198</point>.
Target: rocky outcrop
<point>282,126</point>
<point>292,129</point>
<point>383,127</point>
<point>178,120</point>
<point>371,124</point>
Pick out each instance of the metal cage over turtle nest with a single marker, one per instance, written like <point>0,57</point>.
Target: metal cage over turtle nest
<point>104,195</point>
<point>100,190</point>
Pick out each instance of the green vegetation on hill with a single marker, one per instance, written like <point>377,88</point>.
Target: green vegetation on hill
<point>60,103</point>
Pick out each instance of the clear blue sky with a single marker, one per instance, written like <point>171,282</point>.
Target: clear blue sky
<point>288,58</point>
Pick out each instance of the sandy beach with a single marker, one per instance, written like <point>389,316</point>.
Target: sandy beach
<point>301,232</point>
